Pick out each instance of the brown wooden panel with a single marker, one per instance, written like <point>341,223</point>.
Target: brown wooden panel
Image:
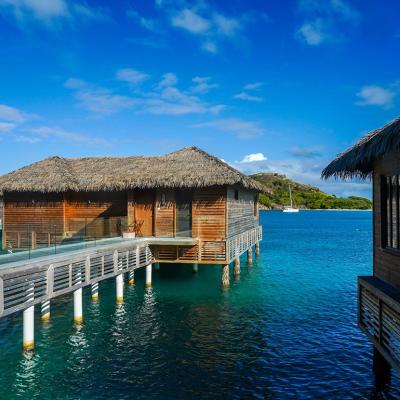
<point>241,211</point>
<point>31,212</point>
<point>209,214</point>
<point>98,214</point>
<point>165,213</point>
<point>144,210</point>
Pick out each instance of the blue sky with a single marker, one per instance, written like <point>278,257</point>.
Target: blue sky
<point>265,85</point>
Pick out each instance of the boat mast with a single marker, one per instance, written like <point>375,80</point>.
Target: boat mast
<point>290,194</point>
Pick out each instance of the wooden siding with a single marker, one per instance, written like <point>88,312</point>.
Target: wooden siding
<point>165,213</point>
<point>27,212</point>
<point>386,261</point>
<point>98,214</point>
<point>209,214</point>
<point>144,210</point>
<point>240,211</point>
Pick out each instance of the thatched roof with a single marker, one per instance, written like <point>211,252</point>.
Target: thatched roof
<point>358,161</point>
<point>186,168</point>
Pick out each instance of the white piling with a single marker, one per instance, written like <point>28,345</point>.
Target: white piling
<point>95,291</point>
<point>29,321</point>
<point>148,276</point>
<point>119,282</point>
<point>195,268</point>
<point>78,313</point>
<point>45,310</point>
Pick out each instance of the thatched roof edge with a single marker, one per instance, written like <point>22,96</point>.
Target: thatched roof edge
<point>358,160</point>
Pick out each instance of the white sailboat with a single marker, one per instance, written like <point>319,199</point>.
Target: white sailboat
<point>290,209</point>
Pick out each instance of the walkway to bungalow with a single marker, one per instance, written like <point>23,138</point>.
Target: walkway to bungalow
<point>31,278</point>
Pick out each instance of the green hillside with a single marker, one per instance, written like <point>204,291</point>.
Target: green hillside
<point>304,196</point>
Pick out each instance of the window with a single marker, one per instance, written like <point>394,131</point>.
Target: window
<point>236,194</point>
<point>390,211</point>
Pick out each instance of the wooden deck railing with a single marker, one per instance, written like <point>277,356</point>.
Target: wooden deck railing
<point>237,245</point>
<point>379,316</point>
<point>213,252</point>
<point>52,276</point>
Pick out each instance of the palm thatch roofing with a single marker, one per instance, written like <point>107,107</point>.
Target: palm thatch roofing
<point>189,167</point>
<point>358,161</point>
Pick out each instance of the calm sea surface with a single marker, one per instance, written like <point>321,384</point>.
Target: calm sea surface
<point>285,330</point>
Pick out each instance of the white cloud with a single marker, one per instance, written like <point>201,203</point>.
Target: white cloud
<point>325,20</point>
<point>242,129</point>
<point>312,33</point>
<point>49,11</point>
<point>98,100</point>
<point>7,126</point>
<point>210,26</point>
<point>202,84</point>
<point>190,21</point>
<point>210,47</point>
<point>374,95</point>
<point>146,23</point>
<point>248,97</point>
<point>168,79</point>
<point>254,85</point>
<point>11,114</point>
<point>131,76</point>
<point>46,132</point>
<point>226,26</point>
<point>253,157</point>
<point>164,99</point>
<point>171,101</point>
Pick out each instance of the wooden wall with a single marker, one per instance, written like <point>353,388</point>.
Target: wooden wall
<point>165,213</point>
<point>386,261</point>
<point>38,212</point>
<point>209,214</point>
<point>98,214</point>
<point>241,216</point>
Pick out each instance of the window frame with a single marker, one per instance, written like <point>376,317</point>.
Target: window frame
<point>390,218</point>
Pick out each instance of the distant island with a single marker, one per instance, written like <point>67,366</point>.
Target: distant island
<point>304,196</point>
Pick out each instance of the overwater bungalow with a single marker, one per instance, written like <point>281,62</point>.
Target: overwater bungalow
<point>183,207</point>
<point>377,156</point>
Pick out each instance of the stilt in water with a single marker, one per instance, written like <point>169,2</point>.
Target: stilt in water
<point>236,269</point>
<point>148,276</point>
<point>119,282</point>
<point>195,268</point>
<point>225,276</point>
<point>257,249</point>
<point>382,372</point>
<point>45,310</point>
<point>95,291</point>
<point>250,256</point>
<point>131,277</point>
<point>29,322</point>
<point>78,313</point>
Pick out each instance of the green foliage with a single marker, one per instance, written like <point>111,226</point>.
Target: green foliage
<point>304,196</point>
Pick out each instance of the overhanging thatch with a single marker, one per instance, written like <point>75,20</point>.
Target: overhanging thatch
<point>186,168</point>
<point>358,161</point>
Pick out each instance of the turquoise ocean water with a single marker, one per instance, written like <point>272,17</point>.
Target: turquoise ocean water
<point>286,330</point>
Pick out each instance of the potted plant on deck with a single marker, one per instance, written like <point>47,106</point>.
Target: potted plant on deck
<point>129,232</point>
